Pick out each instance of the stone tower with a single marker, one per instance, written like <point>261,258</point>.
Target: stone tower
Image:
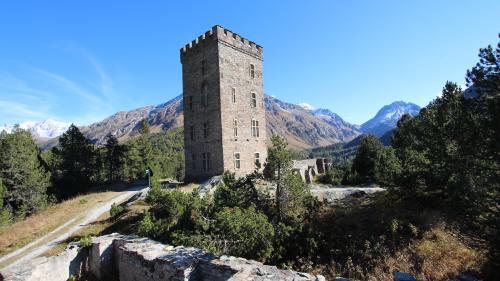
<point>224,113</point>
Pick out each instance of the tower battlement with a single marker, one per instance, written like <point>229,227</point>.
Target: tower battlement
<point>225,36</point>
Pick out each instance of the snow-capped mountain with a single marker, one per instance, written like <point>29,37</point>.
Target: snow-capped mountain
<point>388,116</point>
<point>306,106</point>
<point>45,129</point>
<point>333,119</point>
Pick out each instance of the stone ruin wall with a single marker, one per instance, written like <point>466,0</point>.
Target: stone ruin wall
<point>130,258</point>
<point>309,169</point>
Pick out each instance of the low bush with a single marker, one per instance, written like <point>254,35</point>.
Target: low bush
<point>86,241</point>
<point>117,210</point>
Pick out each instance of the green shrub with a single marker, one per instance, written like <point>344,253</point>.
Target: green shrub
<point>86,241</point>
<point>245,232</point>
<point>117,210</point>
<point>146,225</point>
<point>5,217</point>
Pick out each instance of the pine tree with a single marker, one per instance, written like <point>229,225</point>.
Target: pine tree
<point>24,178</point>
<point>367,159</point>
<point>2,191</point>
<point>114,157</point>
<point>278,168</point>
<point>75,156</point>
<point>133,164</point>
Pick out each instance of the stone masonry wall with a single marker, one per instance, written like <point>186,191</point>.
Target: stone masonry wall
<point>131,258</point>
<point>234,64</point>
<point>196,113</point>
<point>222,60</point>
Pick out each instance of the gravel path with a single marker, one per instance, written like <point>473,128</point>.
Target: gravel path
<point>52,239</point>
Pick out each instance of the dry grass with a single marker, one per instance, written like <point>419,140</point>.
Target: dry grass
<point>22,232</point>
<point>105,225</point>
<point>439,255</point>
<point>188,187</point>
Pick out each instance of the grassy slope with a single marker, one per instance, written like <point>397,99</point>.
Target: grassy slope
<point>125,224</point>
<point>381,236</point>
<point>22,232</point>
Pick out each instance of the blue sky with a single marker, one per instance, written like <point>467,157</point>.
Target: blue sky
<point>81,61</point>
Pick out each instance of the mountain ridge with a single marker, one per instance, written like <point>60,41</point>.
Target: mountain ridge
<point>388,116</point>
<point>302,125</point>
<point>41,130</point>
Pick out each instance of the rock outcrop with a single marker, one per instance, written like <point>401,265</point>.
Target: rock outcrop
<point>130,258</point>
<point>302,128</point>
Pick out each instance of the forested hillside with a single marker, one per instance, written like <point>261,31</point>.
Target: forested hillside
<point>30,179</point>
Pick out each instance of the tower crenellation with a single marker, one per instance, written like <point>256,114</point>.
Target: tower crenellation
<point>226,36</point>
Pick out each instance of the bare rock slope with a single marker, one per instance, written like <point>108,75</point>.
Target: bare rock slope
<point>301,127</point>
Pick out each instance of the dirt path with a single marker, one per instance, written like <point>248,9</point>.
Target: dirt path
<point>60,234</point>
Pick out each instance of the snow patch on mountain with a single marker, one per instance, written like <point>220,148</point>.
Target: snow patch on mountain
<point>45,129</point>
<point>306,106</point>
<point>388,116</point>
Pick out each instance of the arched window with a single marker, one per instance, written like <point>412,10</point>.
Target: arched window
<point>204,94</point>
<point>233,95</point>
<point>253,99</point>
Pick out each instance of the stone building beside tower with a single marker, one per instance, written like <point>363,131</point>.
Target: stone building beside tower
<point>224,112</point>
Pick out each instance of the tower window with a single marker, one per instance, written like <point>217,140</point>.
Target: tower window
<point>235,128</point>
<point>254,100</point>
<point>257,160</point>
<point>193,161</point>
<point>206,161</point>
<point>205,130</point>
<point>237,160</point>
<point>255,128</point>
<point>204,94</point>
<point>190,102</point>
<point>203,67</point>
<point>233,95</point>
<point>252,71</point>
<point>191,132</point>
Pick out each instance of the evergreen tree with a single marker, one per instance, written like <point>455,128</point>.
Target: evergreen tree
<point>114,157</point>
<point>450,152</point>
<point>375,163</point>
<point>2,191</point>
<point>133,163</point>
<point>144,127</point>
<point>5,215</point>
<point>144,143</point>
<point>485,78</point>
<point>367,159</point>
<point>292,195</point>
<point>278,167</point>
<point>74,163</point>
<point>25,180</point>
